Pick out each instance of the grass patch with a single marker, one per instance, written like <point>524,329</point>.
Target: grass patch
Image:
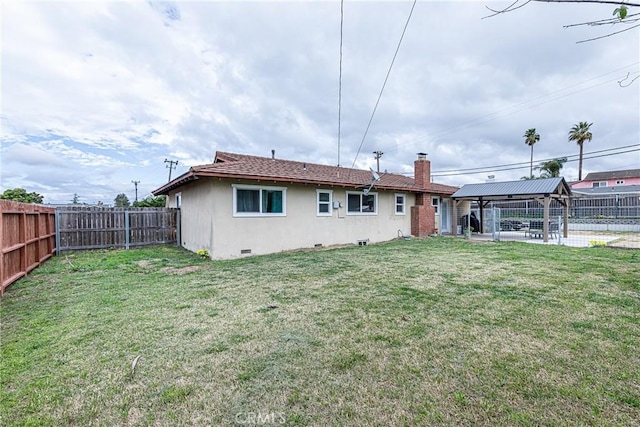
<point>422,332</point>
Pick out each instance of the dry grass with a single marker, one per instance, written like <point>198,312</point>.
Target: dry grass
<point>434,332</point>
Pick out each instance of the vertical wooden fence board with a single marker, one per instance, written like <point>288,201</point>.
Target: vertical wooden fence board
<point>98,227</point>
<point>26,238</point>
<point>30,234</point>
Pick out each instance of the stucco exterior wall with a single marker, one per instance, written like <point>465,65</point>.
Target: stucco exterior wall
<point>610,182</point>
<point>208,220</point>
<point>197,215</point>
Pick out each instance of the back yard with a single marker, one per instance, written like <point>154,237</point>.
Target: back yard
<point>429,332</point>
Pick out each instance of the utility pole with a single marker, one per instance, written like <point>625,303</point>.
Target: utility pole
<point>172,165</point>
<point>378,154</point>
<point>136,184</point>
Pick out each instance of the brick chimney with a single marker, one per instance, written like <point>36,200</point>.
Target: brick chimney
<point>422,213</point>
<point>422,171</point>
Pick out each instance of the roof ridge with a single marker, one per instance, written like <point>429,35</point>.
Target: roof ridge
<point>235,155</point>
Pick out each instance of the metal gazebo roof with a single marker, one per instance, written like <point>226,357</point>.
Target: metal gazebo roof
<point>509,190</point>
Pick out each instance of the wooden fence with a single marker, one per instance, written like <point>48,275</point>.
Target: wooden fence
<point>97,227</point>
<point>27,238</point>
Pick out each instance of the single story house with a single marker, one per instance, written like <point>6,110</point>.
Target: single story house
<point>242,204</point>
<point>609,179</point>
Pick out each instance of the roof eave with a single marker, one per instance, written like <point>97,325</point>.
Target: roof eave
<point>227,175</point>
<point>179,181</point>
<point>192,175</point>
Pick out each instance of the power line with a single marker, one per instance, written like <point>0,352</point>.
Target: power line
<point>385,82</point>
<point>340,79</point>
<point>490,116</point>
<point>525,166</point>
<point>478,121</point>
<point>522,165</point>
<point>539,160</point>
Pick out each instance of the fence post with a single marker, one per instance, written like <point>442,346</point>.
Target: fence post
<point>560,229</point>
<point>57,232</point>
<point>495,228</point>
<point>126,230</point>
<point>178,228</point>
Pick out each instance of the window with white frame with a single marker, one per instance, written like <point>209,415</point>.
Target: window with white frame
<point>324,200</point>
<point>254,200</point>
<point>435,202</point>
<point>400,203</point>
<point>178,200</point>
<point>599,184</point>
<point>362,204</point>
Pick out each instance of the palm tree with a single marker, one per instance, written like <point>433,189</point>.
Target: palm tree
<point>580,133</point>
<point>551,168</point>
<point>530,138</point>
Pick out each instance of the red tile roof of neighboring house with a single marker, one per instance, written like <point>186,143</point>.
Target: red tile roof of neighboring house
<point>242,166</point>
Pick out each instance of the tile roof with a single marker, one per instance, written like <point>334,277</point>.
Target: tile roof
<point>600,176</point>
<point>242,166</point>
<point>528,187</point>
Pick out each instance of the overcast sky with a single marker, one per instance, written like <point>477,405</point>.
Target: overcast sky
<point>95,95</point>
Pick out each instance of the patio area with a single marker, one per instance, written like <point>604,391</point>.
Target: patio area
<point>578,239</point>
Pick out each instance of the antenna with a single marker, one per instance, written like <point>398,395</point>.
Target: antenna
<point>374,178</point>
<point>374,175</point>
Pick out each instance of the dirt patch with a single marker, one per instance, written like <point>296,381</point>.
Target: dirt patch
<point>144,263</point>
<point>180,271</point>
<point>630,242</point>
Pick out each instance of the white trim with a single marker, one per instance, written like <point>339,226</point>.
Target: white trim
<point>259,188</point>
<point>404,203</point>
<point>329,203</point>
<point>360,193</point>
<point>436,205</point>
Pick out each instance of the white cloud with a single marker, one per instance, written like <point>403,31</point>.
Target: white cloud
<point>95,95</point>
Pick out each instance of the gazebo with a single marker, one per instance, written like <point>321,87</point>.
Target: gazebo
<point>543,190</point>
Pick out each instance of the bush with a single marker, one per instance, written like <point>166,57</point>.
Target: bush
<point>203,253</point>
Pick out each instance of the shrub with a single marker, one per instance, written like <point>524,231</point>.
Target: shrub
<point>203,253</point>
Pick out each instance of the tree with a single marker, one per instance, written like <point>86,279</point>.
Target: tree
<point>551,168</point>
<point>151,202</point>
<point>621,14</point>
<point>21,195</point>
<point>530,138</point>
<point>76,199</point>
<point>121,201</point>
<point>580,133</point>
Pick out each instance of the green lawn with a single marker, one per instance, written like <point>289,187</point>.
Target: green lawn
<point>425,332</point>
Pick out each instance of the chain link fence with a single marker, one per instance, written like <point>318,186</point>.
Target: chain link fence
<point>592,221</point>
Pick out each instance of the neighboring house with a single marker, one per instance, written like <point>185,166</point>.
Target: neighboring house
<point>244,204</point>
<point>617,179</point>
